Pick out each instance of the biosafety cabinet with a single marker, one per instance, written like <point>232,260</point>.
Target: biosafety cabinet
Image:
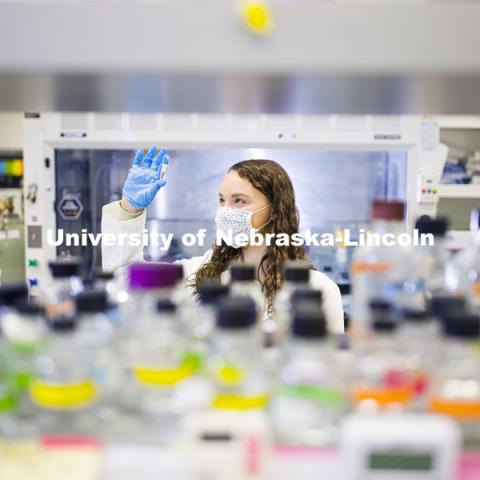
<point>77,162</point>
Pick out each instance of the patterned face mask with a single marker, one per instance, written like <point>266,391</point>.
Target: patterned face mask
<point>236,220</point>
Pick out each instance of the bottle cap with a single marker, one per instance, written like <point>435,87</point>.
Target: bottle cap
<point>29,309</point>
<point>63,324</point>
<point>211,291</point>
<point>105,276</point>
<point>387,210</point>
<point>306,293</point>
<point>11,293</point>
<point>236,313</point>
<point>149,275</point>
<point>165,305</point>
<point>461,325</point>
<point>308,320</point>
<point>91,301</point>
<point>345,288</point>
<point>64,268</point>
<point>413,315</point>
<point>436,226</point>
<point>296,272</point>
<point>440,305</point>
<point>381,315</point>
<point>242,273</point>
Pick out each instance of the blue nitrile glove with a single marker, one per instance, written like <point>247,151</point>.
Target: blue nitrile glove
<point>143,181</point>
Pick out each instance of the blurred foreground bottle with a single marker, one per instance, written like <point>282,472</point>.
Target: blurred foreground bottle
<point>234,364</point>
<point>64,387</point>
<point>456,388</point>
<point>308,402</point>
<point>374,268</point>
<point>58,296</point>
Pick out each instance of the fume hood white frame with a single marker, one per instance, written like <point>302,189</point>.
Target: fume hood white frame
<point>43,133</point>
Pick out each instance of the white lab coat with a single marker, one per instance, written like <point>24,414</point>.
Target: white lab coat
<point>114,258</point>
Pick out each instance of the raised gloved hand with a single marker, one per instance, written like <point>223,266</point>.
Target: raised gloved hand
<point>145,178</point>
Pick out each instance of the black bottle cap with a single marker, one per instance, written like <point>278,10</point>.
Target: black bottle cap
<point>242,273</point>
<point>296,272</point>
<point>69,267</point>
<point>306,293</point>
<point>211,291</point>
<point>29,309</point>
<point>461,325</point>
<point>413,315</point>
<point>436,226</point>
<point>12,293</point>
<point>238,312</point>
<point>381,315</point>
<point>440,305</point>
<point>345,288</point>
<point>105,276</point>
<point>91,301</point>
<point>308,320</point>
<point>63,324</point>
<point>165,305</point>
<point>379,305</point>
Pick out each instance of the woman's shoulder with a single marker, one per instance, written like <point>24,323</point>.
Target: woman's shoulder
<point>324,282</point>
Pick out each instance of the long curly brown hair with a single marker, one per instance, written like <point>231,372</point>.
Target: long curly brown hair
<point>273,181</point>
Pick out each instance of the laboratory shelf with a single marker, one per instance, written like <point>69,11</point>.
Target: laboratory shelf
<point>459,191</point>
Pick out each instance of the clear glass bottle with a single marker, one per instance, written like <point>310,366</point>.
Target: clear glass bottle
<point>455,390</point>
<point>380,379</point>
<point>116,295</point>
<point>234,364</point>
<point>200,318</point>
<point>374,268</point>
<point>296,274</point>
<point>24,331</point>
<point>418,340</point>
<point>94,324</point>
<point>158,362</point>
<point>309,399</point>
<point>64,387</point>
<point>243,282</point>
<point>58,297</point>
<point>147,282</point>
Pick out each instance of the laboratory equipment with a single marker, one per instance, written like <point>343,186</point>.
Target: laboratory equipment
<point>83,159</point>
<point>398,446</point>
<point>12,226</point>
<point>221,441</point>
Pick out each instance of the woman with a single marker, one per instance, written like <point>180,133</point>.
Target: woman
<point>254,195</point>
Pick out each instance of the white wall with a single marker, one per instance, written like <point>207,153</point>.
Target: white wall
<point>11,131</point>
